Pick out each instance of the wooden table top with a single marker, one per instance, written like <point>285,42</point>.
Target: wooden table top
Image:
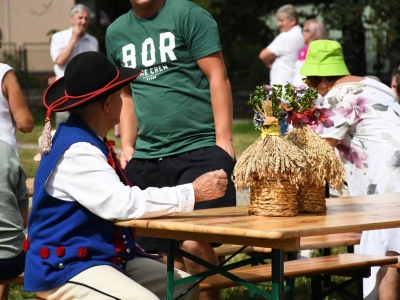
<point>233,225</point>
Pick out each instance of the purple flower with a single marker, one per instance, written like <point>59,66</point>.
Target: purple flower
<point>267,88</point>
<point>355,108</point>
<point>328,122</point>
<point>351,153</point>
<point>300,90</point>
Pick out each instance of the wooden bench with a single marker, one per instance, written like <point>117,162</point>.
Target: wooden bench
<point>29,184</point>
<point>326,241</point>
<point>15,280</point>
<point>339,264</point>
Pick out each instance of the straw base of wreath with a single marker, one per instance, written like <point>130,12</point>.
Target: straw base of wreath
<point>311,198</point>
<point>269,199</point>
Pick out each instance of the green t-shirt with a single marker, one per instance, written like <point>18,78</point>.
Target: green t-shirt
<point>172,95</point>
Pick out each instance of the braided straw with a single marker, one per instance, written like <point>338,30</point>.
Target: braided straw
<point>311,198</point>
<point>268,198</point>
<point>324,166</point>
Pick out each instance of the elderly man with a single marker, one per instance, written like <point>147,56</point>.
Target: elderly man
<point>280,56</point>
<point>67,43</point>
<point>74,249</point>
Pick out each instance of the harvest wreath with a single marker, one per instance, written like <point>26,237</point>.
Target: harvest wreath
<point>287,175</point>
<point>272,167</point>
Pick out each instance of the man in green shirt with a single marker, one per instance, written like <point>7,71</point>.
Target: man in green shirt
<point>176,120</point>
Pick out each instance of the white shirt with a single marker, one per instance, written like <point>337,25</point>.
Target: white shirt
<point>60,40</point>
<point>7,123</point>
<point>286,47</point>
<point>82,174</point>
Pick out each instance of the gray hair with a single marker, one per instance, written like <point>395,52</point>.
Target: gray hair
<point>78,8</point>
<point>289,12</point>
<point>317,29</point>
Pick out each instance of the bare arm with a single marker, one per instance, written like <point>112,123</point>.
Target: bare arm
<point>128,126</point>
<point>18,106</point>
<point>332,142</point>
<point>64,55</point>
<point>25,215</point>
<point>267,57</point>
<point>213,67</point>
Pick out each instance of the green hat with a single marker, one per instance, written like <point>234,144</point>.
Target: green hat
<point>324,58</point>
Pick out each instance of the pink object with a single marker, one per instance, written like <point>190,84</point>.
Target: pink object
<point>303,53</point>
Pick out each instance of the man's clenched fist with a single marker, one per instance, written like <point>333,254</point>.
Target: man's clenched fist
<point>210,186</point>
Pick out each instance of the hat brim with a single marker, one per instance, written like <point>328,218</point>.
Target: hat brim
<point>57,90</point>
<point>338,69</point>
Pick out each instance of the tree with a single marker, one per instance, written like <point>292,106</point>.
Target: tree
<point>347,16</point>
<point>243,34</point>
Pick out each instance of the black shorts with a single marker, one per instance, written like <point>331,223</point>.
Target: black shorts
<point>180,169</point>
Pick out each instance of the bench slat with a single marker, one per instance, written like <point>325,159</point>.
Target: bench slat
<point>306,243</point>
<point>298,268</point>
<point>15,280</point>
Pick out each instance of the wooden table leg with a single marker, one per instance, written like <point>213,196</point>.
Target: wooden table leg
<point>278,290</point>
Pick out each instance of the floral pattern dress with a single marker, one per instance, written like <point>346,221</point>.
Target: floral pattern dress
<point>365,118</point>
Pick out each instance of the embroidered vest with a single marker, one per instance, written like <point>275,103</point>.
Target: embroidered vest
<point>64,237</point>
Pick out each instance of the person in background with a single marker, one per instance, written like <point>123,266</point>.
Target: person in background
<point>74,250</point>
<point>363,126</point>
<point>395,82</point>
<point>176,120</point>
<point>67,43</point>
<point>14,111</point>
<point>280,56</point>
<point>14,210</point>
<point>313,29</point>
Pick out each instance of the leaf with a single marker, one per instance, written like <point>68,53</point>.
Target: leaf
<point>380,107</point>
<point>371,190</point>
<point>390,140</point>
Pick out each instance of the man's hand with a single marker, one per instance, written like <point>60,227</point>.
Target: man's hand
<point>210,186</point>
<point>126,155</point>
<point>77,32</point>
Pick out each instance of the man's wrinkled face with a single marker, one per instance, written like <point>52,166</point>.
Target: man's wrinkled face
<point>285,24</point>
<point>80,19</point>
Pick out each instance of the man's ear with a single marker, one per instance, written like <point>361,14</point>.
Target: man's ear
<point>106,104</point>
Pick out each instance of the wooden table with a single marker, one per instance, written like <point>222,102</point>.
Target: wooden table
<point>232,225</point>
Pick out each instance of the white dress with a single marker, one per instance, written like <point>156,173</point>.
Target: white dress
<point>365,118</point>
<point>7,123</point>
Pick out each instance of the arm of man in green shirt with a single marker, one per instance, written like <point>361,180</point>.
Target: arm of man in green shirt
<point>213,67</point>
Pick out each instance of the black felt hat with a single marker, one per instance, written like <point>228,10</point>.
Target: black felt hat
<point>88,77</point>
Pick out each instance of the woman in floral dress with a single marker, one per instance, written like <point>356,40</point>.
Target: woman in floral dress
<point>363,123</point>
